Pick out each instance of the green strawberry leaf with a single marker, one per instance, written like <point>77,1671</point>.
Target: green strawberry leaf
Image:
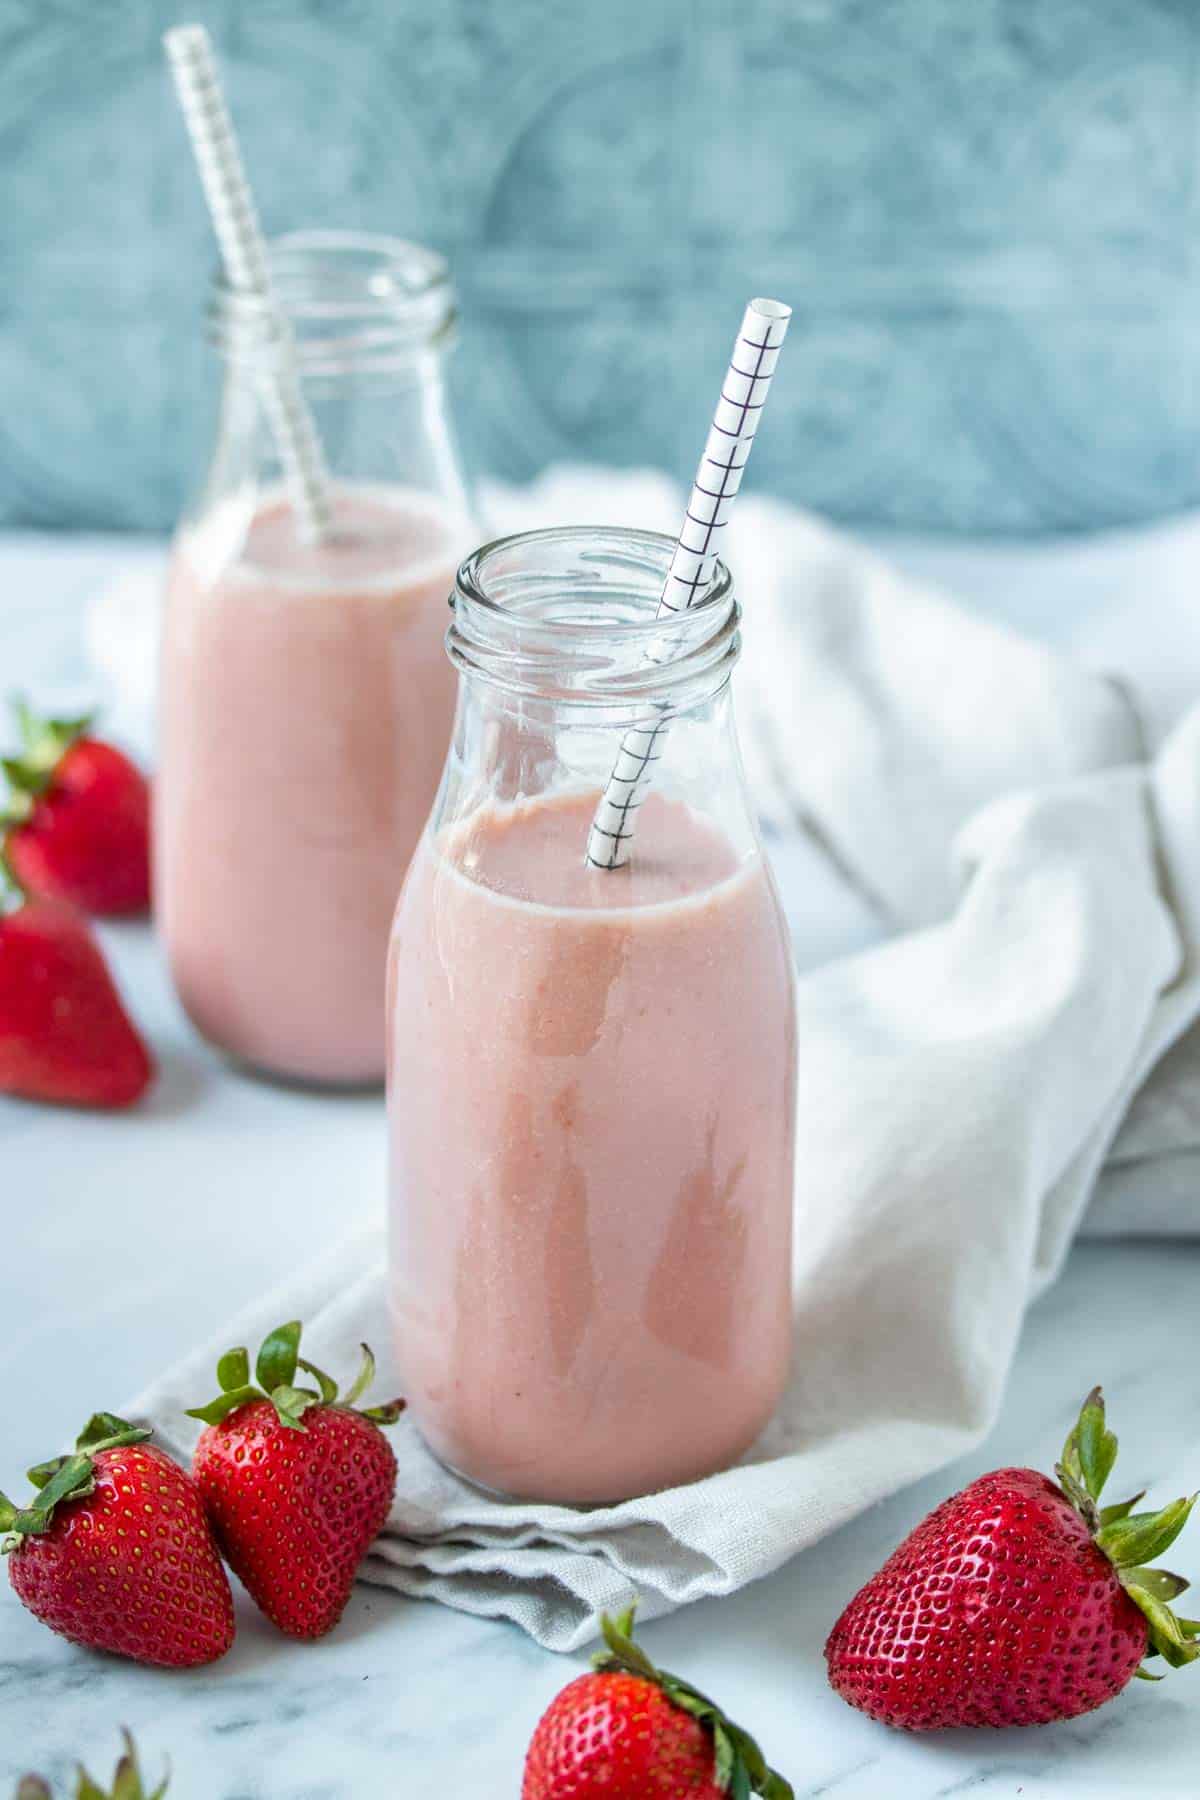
<point>41,1473</point>
<point>1142,1537</point>
<point>1097,1446</point>
<point>71,1479</point>
<point>1175,1656</point>
<point>127,1782</point>
<point>223,1405</point>
<point>387,1414</point>
<point>329,1392</point>
<point>724,1757</point>
<point>1141,1674</point>
<point>623,1652</point>
<point>1070,1468</point>
<point>363,1380</point>
<point>233,1370</point>
<point>46,741</point>
<point>1110,1514</point>
<point>1161,1583</point>
<point>687,1699</point>
<point>276,1365</point>
<point>749,1752</point>
<point>291,1404</point>
<point>74,1478</point>
<point>26,784</point>
<point>105,1431</point>
<point>1165,1633</point>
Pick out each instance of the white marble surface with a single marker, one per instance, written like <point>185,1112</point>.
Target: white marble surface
<point>127,1239</point>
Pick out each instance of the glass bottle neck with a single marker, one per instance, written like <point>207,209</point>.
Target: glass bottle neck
<point>352,305</point>
<point>569,618</point>
<point>557,638</point>
<point>367,323</point>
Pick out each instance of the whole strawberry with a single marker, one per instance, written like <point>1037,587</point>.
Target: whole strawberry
<point>78,818</point>
<point>1017,1602</point>
<point>297,1484</point>
<point>633,1732</point>
<point>64,1034</point>
<point>114,1552</point>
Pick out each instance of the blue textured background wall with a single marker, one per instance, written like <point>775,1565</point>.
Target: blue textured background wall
<point>984,211</point>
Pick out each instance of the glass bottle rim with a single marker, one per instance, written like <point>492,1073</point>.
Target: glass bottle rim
<point>564,633</point>
<point>350,297</point>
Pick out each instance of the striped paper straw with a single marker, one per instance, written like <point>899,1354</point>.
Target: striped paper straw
<point>244,254</point>
<point>718,478</point>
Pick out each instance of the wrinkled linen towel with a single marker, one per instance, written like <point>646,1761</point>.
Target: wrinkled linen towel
<point>963,1083</point>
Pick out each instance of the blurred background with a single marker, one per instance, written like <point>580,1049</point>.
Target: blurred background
<point>983,211</point>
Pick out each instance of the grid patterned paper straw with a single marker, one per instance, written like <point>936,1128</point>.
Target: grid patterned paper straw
<point>718,478</point>
<point>244,253</point>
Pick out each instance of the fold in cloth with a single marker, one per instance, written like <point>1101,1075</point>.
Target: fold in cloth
<point>961,1083</point>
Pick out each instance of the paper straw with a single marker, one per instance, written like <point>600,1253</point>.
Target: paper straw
<point>244,254</point>
<point>730,439</point>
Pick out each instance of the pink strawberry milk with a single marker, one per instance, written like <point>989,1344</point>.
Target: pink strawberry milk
<point>307,705</point>
<point>591,1071</point>
<point>306,700</point>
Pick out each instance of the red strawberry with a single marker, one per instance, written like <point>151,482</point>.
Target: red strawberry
<point>64,1034</point>
<point>127,1782</point>
<point>297,1485</point>
<point>633,1732</point>
<point>115,1553</point>
<point>79,818</point>
<point>1017,1602</point>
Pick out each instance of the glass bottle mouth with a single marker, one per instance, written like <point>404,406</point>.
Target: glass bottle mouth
<point>352,299</point>
<point>570,615</point>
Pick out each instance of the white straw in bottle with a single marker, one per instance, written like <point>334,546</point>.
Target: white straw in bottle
<point>244,254</point>
<point>743,395</point>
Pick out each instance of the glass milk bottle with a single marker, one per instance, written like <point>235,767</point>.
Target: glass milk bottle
<point>306,701</point>
<point>591,1072</point>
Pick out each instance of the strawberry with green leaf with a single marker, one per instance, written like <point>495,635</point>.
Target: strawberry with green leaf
<point>297,1481</point>
<point>76,825</point>
<point>1020,1601</point>
<point>114,1552</point>
<point>630,1731</point>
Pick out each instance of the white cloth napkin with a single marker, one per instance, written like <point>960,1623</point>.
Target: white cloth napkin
<point>961,1083</point>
